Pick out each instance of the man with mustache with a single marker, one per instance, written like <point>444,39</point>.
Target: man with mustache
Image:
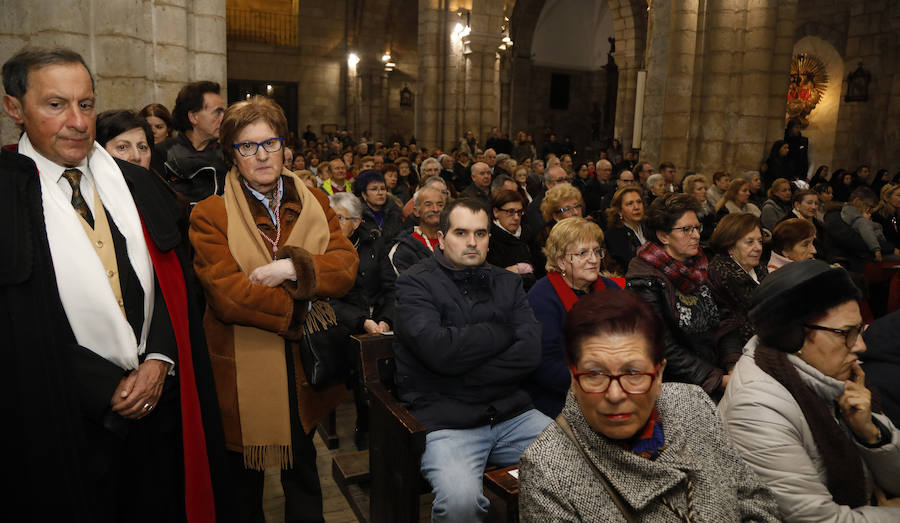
<point>466,340</point>
<point>420,243</point>
<point>107,388</point>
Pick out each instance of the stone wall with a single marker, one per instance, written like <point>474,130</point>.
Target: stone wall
<point>867,132</point>
<point>716,82</point>
<point>140,51</point>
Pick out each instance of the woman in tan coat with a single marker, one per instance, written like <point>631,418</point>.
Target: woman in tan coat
<point>266,250</point>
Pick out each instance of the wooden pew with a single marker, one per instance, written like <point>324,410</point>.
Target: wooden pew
<point>396,444</point>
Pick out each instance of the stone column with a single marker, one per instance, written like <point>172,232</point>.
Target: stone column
<point>139,52</point>
<point>780,69</point>
<point>427,103</point>
<point>670,82</point>
<point>756,68</point>
<point>482,94</point>
<point>715,87</point>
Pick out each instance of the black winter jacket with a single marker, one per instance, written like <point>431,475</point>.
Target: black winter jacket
<point>691,358</point>
<point>505,250</point>
<point>466,340</point>
<point>194,174</point>
<point>406,252</point>
<point>391,227</point>
<point>374,286</point>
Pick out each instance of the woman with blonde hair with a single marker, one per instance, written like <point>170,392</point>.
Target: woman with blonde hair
<point>736,199</point>
<point>574,251</point>
<point>560,202</point>
<point>266,251</point>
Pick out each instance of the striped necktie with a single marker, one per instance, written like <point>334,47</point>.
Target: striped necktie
<point>73,176</point>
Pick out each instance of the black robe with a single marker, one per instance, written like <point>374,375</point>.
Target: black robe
<point>49,379</point>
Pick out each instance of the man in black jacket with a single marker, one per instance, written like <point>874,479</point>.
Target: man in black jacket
<point>103,345</point>
<point>195,165</point>
<point>466,339</point>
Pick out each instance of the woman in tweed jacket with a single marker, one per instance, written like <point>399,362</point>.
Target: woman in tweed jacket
<point>661,447</point>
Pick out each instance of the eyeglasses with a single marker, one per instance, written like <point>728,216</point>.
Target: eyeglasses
<point>596,382</point>
<point>689,229</point>
<point>586,254</point>
<point>513,212</point>
<point>346,218</point>
<point>379,188</point>
<point>850,335</point>
<point>569,210</point>
<point>272,145</point>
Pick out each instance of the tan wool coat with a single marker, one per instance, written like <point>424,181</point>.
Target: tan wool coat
<point>232,299</point>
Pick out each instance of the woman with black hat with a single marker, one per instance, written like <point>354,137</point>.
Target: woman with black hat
<point>797,406</point>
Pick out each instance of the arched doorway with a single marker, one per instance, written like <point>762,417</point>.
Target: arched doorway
<point>569,38</point>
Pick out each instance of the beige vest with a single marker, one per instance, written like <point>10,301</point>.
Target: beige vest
<point>101,238</point>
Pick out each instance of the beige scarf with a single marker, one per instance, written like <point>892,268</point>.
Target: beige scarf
<point>262,386</point>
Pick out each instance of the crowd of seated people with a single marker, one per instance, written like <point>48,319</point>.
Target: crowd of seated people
<point>586,287</point>
<point>694,261</point>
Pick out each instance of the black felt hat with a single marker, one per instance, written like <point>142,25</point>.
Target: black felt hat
<point>790,296</point>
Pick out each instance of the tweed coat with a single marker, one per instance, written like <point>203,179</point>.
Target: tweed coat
<point>557,484</point>
<point>232,299</point>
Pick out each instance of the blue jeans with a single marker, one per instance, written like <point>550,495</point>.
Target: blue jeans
<point>454,461</point>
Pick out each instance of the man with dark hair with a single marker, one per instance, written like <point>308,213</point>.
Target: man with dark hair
<point>466,340</point>
<point>498,142</point>
<point>533,218</point>
<point>195,165</point>
<point>798,149</point>
<point>667,170</point>
<point>97,315</point>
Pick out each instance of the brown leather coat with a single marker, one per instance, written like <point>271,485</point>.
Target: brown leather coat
<point>232,299</point>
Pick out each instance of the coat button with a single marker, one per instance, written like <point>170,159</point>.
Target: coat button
<point>99,243</point>
<point>110,273</point>
<point>121,303</point>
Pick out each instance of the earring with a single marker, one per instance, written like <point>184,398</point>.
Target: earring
<point>563,273</point>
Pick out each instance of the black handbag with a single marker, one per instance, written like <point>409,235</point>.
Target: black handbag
<point>323,348</point>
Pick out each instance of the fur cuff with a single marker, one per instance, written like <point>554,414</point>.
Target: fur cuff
<point>294,330</point>
<point>305,286</point>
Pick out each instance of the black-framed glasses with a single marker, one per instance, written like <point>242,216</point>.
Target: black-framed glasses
<point>272,145</point>
<point>597,382</point>
<point>585,254</point>
<point>688,229</point>
<point>851,335</point>
<point>513,212</point>
<point>569,210</point>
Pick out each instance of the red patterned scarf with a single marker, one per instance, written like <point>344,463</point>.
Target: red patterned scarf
<point>687,276</point>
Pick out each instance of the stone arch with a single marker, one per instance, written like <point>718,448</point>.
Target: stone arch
<point>630,31</point>
<point>837,39</point>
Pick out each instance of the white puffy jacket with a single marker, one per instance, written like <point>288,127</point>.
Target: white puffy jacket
<point>770,432</point>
